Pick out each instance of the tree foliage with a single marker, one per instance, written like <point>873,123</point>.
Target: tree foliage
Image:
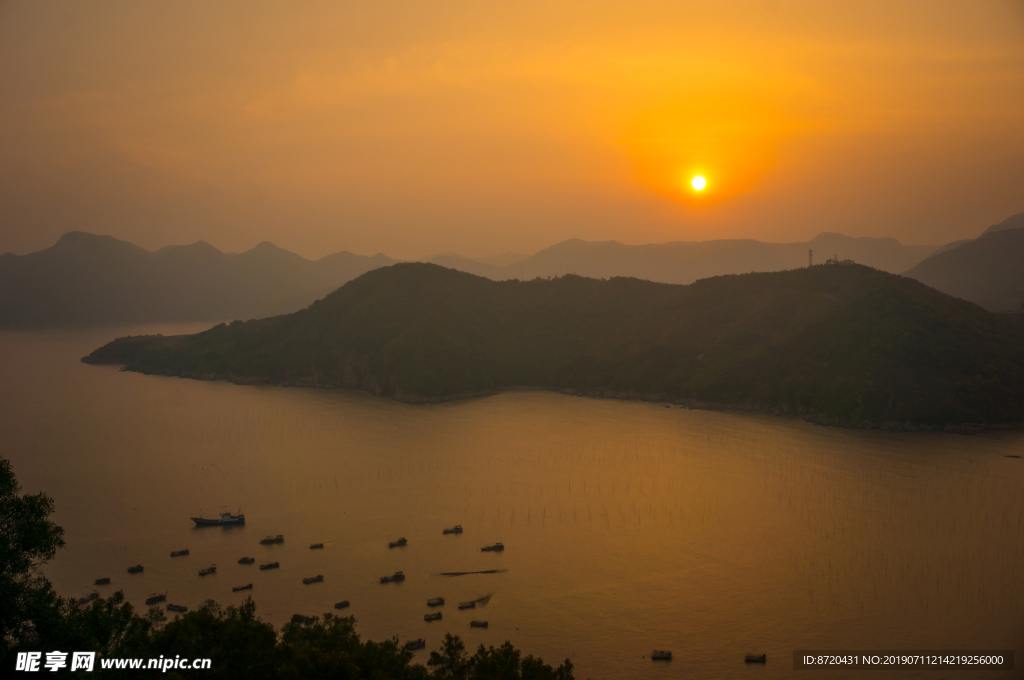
<point>28,539</point>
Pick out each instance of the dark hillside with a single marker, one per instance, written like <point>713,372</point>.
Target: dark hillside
<point>843,343</point>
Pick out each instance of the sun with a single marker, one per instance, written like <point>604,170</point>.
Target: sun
<point>698,183</point>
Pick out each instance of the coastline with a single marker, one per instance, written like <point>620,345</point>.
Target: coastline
<point>407,397</point>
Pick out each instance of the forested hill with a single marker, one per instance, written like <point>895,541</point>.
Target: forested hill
<point>844,344</point>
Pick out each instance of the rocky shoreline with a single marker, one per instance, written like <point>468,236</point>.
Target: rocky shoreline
<point>406,397</point>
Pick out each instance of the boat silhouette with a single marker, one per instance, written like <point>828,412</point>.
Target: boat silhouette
<point>394,578</point>
<point>225,518</point>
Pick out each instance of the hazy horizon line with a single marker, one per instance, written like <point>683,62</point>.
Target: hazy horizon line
<point>453,253</point>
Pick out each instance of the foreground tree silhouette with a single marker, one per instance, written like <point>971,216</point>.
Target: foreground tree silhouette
<point>28,539</point>
<point>502,663</point>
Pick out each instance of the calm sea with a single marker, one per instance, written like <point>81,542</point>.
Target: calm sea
<point>628,526</point>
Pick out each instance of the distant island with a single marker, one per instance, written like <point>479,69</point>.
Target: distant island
<point>837,344</point>
<point>85,280</point>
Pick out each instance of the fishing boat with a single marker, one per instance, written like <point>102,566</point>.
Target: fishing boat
<point>317,546</point>
<point>272,539</point>
<point>435,602</point>
<point>394,578</point>
<point>436,616</point>
<point>341,605</point>
<point>457,529</point>
<point>755,658</point>
<point>102,582</point>
<point>270,565</point>
<point>247,560</point>
<point>497,547</point>
<point>477,624</point>
<point>89,598</point>
<point>235,589</point>
<point>212,569</point>
<point>661,655</point>
<point>313,579</point>
<point>137,569</point>
<point>179,553</point>
<point>467,605</point>
<point>413,645</point>
<point>156,597</point>
<point>176,608</point>
<point>400,543</point>
<point>225,518</point>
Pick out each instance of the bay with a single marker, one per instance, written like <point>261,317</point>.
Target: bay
<point>628,526</point>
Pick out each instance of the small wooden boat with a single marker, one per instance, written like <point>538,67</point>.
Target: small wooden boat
<point>467,605</point>
<point>176,608</point>
<point>212,569</point>
<point>436,616</point>
<point>179,553</point>
<point>457,529</point>
<point>394,578</point>
<point>341,605</point>
<point>89,598</point>
<point>413,645</point>
<point>235,589</point>
<point>661,655</point>
<point>225,518</point>
<point>156,597</point>
<point>755,658</point>
<point>317,546</point>
<point>247,560</point>
<point>435,602</point>
<point>102,582</point>
<point>400,543</point>
<point>137,569</point>
<point>497,547</point>
<point>272,539</point>
<point>270,565</point>
<point>477,624</point>
<point>313,579</point>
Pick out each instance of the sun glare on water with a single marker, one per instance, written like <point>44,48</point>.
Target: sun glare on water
<point>698,183</point>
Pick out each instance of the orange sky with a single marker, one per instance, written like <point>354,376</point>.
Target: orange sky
<point>482,127</point>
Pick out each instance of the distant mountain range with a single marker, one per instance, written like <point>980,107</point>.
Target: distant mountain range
<point>988,271</point>
<point>839,344</point>
<point>86,279</point>
<point>689,261</point>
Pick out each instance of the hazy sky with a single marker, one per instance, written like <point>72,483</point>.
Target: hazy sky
<point>484,127</point>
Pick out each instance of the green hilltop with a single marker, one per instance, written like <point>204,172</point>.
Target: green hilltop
<point>841,344</point>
